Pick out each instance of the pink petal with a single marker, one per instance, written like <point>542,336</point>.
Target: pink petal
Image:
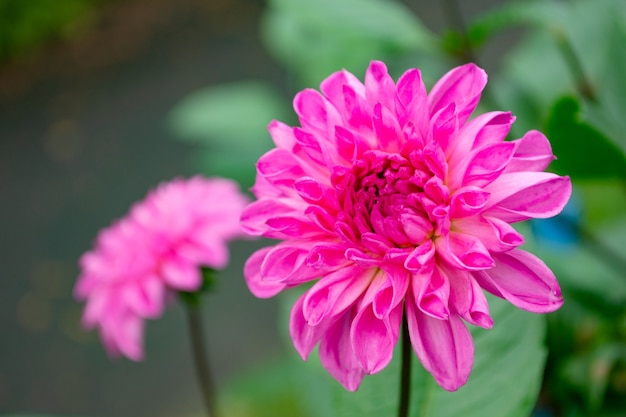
<point>524,280</point>
<point>421,256</point>
<point>374,339</point>
<point>181,276</point>
<point>334,293</point>
<point>463,251</point>
<point>488,163</point>
<point>146,297</point>
<point>379,86</point>
<point>411,100</point>
<point>431,290</point>
<point>350,145</point>
<point>445,347</point>
<point>483,130</point>
<point>386,128</point>
<point>468,201</point>
<point>304,336</point>
<point>444,126</point>
<point>337,355</point>
<point>462,86</point>
<point>282,135</point>
<point>286,263</point>
<point>252,275</point>
<point>333,88</point>
<point>468,300</point>
<point>495,234</point>
<point>533,153</point>
<point>524,195</point>
<point>279,167</point>
<point>125,335</point>
<point>315,112</point>
<point>254,217</point>
<point>392,291</point>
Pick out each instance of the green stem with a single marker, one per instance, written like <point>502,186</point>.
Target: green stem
<point>198,347</point>
<point>405,374</point>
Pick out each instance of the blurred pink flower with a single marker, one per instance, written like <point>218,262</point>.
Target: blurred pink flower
<point>140,261</point>
<point>397,204</point>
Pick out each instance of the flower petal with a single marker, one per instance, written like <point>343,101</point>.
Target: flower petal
<point>533,153</point>
<point>304,336</point>
<point>445,347</point>
<point>337,355</point>
<point>463,86</point>
<point>252,274</point>
<point>524,195</point>
<point>181,276</point>
<point>373,339</point>
<point>335,292</point>
<point>524,280</point>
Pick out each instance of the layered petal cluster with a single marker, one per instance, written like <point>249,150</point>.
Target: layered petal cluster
<point>396,203</point>
<point>141,260</point>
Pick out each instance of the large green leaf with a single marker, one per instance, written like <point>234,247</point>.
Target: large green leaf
<point>505,380</point>
<point>583,151</point>
<point>228,115</point>
<point>564,40</point>
<point>315,38</point>
<point>229,122</point>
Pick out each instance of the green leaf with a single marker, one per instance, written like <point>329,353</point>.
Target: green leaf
<point>611,82</point>
<point>541,66</point>
<point>229,115</point>
<point>230,122</point>
<point>505,380</point>
<point>316,38</point>
<point>583,151</point>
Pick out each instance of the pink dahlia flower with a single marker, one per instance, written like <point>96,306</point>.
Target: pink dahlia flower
<point>140,261</point>
<point>397,203</point>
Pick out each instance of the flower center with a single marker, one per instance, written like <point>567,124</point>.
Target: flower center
<point>393,199</point>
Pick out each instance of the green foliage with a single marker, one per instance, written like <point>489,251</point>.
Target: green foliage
<point>583,151</point>
<point>229,121</point>
<point>509,363</point>
<point>587,336</point>
<point>24,24</point>
<point>565,77</point>
<point>209,283</point>
<point>316,38</point>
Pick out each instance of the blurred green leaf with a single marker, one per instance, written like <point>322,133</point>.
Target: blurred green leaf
<point>228,115</point>
<point>316,38</point>
<point>509,363</point>
<point>611,82</point>
<point>590,373</point>
<point>230,122</point>
<point>540,66</point>
<point>268,391</point>
<point>543,14</point>
<point>583,152</point>
<point>505,381</point>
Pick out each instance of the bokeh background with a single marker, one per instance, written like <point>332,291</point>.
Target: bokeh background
<point>101,100</point>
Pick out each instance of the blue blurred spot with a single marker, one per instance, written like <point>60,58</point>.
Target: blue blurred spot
<point>561,231</point>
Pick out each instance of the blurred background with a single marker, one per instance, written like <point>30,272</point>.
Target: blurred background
<point>100,100</point>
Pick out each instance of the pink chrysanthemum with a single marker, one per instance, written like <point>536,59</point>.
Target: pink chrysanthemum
<point>398,204</point>
<point>157,249</point>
